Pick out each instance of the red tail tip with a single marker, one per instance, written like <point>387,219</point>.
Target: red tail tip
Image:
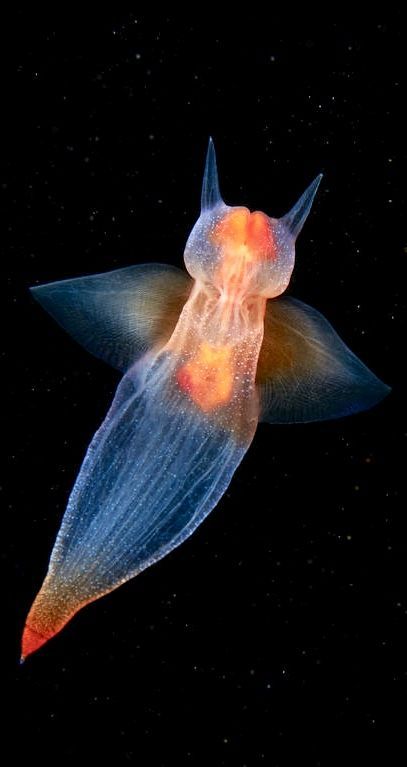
<point>32,641</point>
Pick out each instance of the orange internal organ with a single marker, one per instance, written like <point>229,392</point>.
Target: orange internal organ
<point>245,239</point>
<point>208,377</point>
<point>249,233</point>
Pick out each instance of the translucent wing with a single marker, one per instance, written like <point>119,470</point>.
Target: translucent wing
<point>305,372</point>
<point>118,315</point>
<point>152,473</point>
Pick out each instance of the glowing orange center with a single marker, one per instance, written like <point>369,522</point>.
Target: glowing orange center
<point>243,238</point>
<point>208,377</point>
<point>242,229</point>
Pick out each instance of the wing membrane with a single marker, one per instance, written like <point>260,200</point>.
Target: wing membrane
<point>118,315</point>
<point>305,372</point>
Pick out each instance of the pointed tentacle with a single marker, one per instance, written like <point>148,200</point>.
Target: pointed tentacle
<point>210,196</point>
<point>295,219</point>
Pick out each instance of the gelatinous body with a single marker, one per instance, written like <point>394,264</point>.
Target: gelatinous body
<point>204,359</point>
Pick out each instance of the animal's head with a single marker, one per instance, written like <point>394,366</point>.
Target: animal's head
<point>242,253</point>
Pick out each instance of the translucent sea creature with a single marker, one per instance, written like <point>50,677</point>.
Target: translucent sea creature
<point>205,357</point>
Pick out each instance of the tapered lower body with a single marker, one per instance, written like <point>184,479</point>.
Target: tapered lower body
<point>152,473</point>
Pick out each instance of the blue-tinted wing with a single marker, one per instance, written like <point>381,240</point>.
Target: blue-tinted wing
<point>305,372</point>
<point>118,315</point>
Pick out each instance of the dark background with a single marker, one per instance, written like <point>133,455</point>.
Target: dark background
<point>276,634</point>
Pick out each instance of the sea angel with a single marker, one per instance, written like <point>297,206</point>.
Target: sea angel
<point>205,356</point>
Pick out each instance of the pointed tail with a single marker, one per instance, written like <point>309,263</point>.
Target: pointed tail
<point>52,609</point>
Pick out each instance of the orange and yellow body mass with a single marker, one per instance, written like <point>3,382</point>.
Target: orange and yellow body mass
<point>205,356</point>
